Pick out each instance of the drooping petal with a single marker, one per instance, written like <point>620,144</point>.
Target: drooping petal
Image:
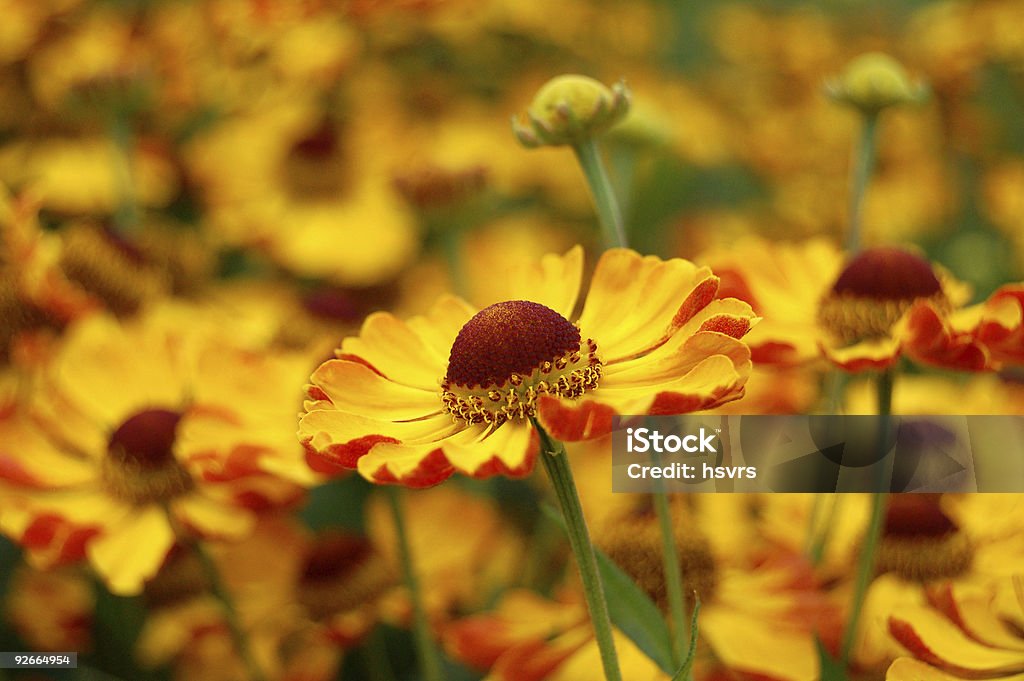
<point>393,349</point>
<point>662,367</point>
<point>745,644</point>
<point>933,638</point>
<point>355,388</point>
<point>584,419</point>
<point>343,438</point>
<point>1001,327</point>
<point>476,451</point>
<point>213,519</point>
<point>928,337</point>
<point>634,302</point>
<point>131,552</point>
<point>872,355</point>
<point>409,465</point>
<point>508,450</point>
<point>909,669</point>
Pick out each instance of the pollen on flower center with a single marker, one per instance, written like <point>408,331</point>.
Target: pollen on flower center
<point>874,290</point>
<point>511,352</point>
<point>920,542</point>
<point>140,466</point>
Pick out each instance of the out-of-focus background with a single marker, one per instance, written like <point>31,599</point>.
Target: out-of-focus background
<point>273,171</point>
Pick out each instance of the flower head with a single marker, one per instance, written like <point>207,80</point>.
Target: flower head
<point>135,438</point>
<point>874,81</point>
<point>882,304</point>
<point>570,108</point>
<point>412,402</point>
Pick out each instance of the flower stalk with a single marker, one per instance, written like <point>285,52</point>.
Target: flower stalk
<point>864,163</point>
<point>556,462</point>
<point>608,213</point>
<point>866,563</point>
<point>430,661</point>
<point>672,571</point>
<point>221,593</point>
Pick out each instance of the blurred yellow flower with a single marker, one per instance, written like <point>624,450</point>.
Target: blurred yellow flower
<point>145,435</point>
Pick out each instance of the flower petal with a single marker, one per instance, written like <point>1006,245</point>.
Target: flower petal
<point>554,281</point>
<point>662,367</point>
<point>409,465</point>
<point>393,349</point>
<point>909,669</point>
<point>713,381</point>
<point>928,337</point>
<point>765,650</point>
<point>1001,328</point>
<point>634,301</point>
<point>355,388</point>
<point>510,450</point>
<point>213,519</point>
<point>476,451</point>
<point>873,355</point>
<point>439,327</point>
<point>572,421</point>
<point>933,638</point>
<point>131,552</point>
<point>343,438</point>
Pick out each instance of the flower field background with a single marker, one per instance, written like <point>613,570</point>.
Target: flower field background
<point>314,317</point>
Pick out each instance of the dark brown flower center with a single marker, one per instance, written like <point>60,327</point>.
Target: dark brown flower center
<point>888,274</point>
<point>140,466</point>
<point>920,542</point>
<point>514,337</point>
<point>874,290</point>
<point>342,572</point>
<point>316,166</point>
<point>434,187</point>
<point>147,438</point>
<point>110,267</point>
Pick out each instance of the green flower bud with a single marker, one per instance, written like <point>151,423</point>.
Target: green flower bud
<point>874,81</point>
<point>570,108</point>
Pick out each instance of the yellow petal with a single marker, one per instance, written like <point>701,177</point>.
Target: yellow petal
<point>132,552</point>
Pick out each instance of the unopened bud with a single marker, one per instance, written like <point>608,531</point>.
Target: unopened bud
<point>571,108</point>
<point>874,81</point>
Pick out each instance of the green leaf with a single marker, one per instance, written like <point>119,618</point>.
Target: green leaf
<point>691,655</point>
<point>631,610</point>
<point>831,669</point>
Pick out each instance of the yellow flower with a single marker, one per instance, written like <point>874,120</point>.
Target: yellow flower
<point>147,431</point>
<point>759,610</point>
<point>969,632</point>
<point>882,304</point>
<point>931,543</point>
<point>412,402</point>
<point>292,181</point>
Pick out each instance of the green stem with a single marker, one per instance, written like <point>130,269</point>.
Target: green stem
<point>430,661</point>
<point>866,563</point>
<point>673,576</point>
<point>556,462</point>
<point>608,213</point>
<point>375,658</point>
<point>864,164</point>
<point>221,593</point>
<point>126,214</point>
